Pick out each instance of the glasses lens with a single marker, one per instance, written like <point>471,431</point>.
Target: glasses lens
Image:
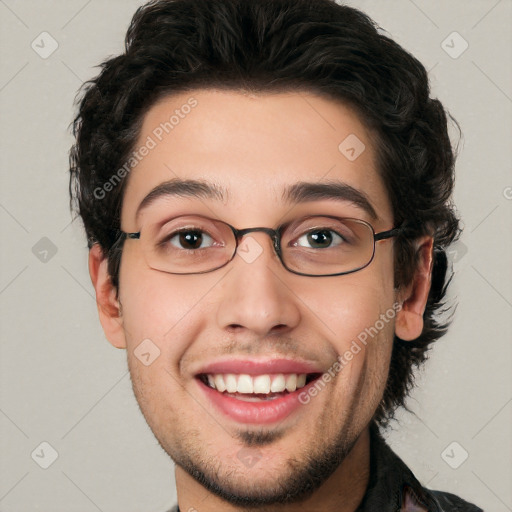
<point>327,245</point>
<point>188,244</point>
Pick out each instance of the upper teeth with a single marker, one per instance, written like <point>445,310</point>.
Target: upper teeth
<point>244,383</point>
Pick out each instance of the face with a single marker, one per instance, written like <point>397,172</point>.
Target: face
<point>252,319</point>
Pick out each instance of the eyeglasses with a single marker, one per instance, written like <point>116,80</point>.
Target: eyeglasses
<point>318,245</point>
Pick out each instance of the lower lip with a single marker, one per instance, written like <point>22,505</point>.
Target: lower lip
<point>264,412</point>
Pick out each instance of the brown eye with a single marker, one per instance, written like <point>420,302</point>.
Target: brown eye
<point>191,239</point>
<point>320,239</point>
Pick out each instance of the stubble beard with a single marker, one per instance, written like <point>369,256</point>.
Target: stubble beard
<point>304,472</point>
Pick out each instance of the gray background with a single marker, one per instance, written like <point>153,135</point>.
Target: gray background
<point>62,383</point>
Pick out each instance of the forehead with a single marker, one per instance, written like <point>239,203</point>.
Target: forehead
<point>253,148</point>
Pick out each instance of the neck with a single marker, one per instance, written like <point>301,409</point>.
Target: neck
<point>343,491</point>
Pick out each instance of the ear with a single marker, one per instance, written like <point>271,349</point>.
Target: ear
<point>109,308</point>
<point>409,320</point>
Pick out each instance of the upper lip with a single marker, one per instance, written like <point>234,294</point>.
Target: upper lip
<point>259,366</point>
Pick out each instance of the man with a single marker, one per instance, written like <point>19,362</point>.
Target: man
<point>266,190</point>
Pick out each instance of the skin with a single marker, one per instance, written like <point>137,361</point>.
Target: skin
<point>254,146</point>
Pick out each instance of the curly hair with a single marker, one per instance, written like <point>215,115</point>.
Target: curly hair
<point>275,46</point>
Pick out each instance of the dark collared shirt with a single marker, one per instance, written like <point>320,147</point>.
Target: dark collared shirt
<point>392,487</point>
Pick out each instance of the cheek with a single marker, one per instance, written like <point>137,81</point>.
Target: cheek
<point>159,307</point>
<point>363,375</point>
<point>355,313</point>
<point>347,306</point>
<point>161,319</point>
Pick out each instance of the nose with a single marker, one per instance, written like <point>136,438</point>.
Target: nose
<point>255,295</point>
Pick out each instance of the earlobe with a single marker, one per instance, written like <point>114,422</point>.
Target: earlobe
<point>409,320</point>
<point>109,309</point>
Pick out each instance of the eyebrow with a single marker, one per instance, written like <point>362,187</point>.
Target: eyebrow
<point>335,190</point>
<point>182,188</point>
<point>297,193</point>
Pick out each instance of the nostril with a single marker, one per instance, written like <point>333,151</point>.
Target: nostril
<point>276,329</point>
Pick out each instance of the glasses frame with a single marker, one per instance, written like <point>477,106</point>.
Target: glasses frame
<point>275,235</point>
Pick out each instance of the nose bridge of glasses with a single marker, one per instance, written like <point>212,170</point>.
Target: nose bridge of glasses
<point>272,233</point>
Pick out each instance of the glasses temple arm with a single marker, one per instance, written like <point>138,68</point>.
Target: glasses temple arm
<point>388,234</point>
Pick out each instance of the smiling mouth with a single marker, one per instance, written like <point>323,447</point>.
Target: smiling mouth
<point>256,388</point>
